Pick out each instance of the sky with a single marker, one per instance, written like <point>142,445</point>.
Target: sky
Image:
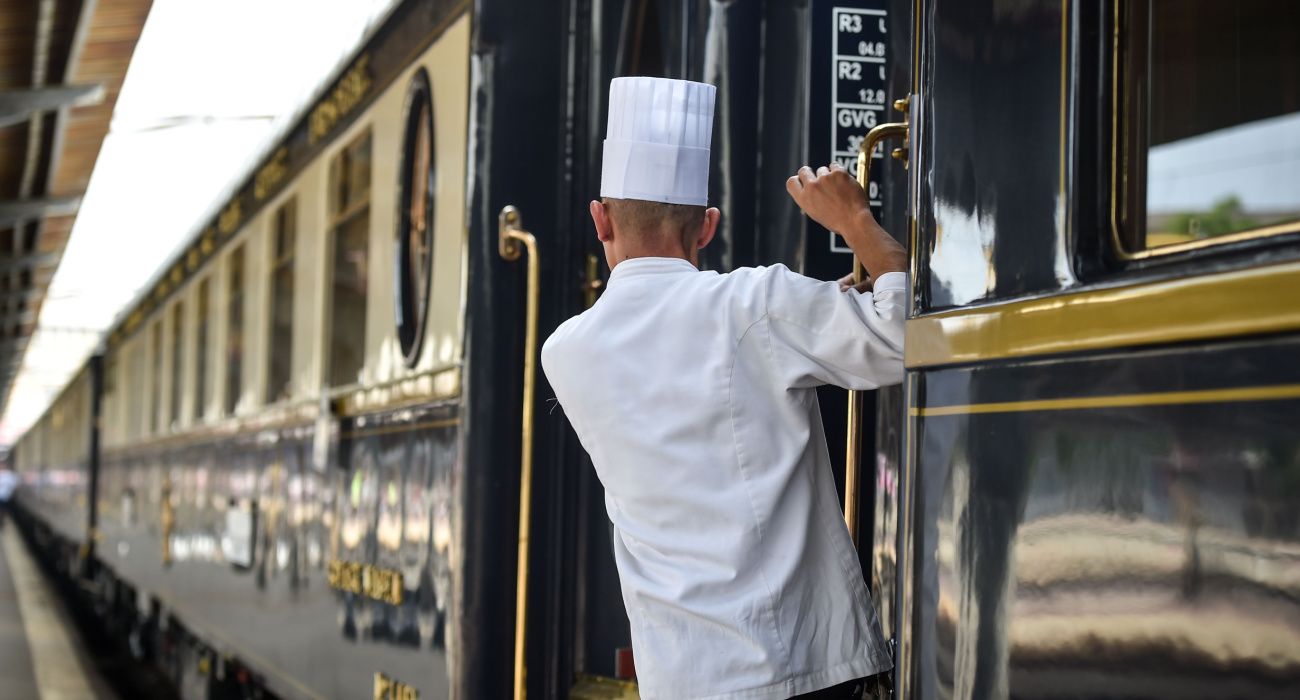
<point>209,86</point>
<point>1257,162</point>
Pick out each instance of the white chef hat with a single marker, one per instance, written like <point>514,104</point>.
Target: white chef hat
<point>657,143</point>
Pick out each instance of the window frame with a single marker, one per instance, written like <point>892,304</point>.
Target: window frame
<point>235,299</point>
<point>177,355</point>
<point>284,222</point>
<point>344,208</point>
<point>202,351</point>
<point>1120,192</point>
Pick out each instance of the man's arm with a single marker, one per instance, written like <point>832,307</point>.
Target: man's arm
<point>833,199</point>
<point>818,334</point>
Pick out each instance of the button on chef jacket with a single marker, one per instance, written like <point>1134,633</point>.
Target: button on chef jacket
<point>693,392</point>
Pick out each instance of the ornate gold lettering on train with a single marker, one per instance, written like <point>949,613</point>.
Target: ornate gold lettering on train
<point>230,217</point>
<point>368,580</point>
<point>340,101</point>
<point>387,688</point>
<point>269,176</point>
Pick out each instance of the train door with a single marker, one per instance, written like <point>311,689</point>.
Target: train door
<point>798,83</point>
<point>591,654</point>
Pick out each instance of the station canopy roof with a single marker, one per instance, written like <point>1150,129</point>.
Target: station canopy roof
<point>62,64</point>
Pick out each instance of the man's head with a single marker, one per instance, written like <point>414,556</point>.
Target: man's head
<point>635,228</point>
<point>655,174</point>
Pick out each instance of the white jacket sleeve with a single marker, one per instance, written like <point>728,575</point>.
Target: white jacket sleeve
<point>821,335</point>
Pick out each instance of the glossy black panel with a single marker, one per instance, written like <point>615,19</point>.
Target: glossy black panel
<point>523,130</point>
<point>992,223</point>
<point>1125,551</point>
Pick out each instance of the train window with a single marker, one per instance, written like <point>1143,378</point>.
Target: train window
<point>350,221</point>
<point>1207,123</point>
<point>201,350</point>
<point>415,219</point>
<point>136,408</point>
<point>178,355</point>
<point>234,329</point>
<point>156,405</point>
<point>280,350</point>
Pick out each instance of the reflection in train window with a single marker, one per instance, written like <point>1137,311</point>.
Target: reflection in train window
<point>415,221</point>
<point>234,328</point>
<point>357,507</point>
<point>350,219</point>
<point>1207,121</point>
<point>280,350</point>
<point>388,519</point>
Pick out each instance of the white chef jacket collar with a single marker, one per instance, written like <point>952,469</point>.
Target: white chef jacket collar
<point>637,267</point>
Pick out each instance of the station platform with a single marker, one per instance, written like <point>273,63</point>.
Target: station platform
<point>40,653</point>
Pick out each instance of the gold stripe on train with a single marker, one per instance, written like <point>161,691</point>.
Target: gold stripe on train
<point>1221,305</point>
<point>1277,392</point>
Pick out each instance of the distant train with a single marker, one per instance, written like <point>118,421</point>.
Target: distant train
<point>297,465</point>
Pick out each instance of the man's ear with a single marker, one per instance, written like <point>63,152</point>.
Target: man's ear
<point>600,217</point>
<point>710,226</point>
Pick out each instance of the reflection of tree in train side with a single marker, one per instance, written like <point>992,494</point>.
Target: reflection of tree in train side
<point>445,462</point>
<point>356,520</point>
<point>883,552</point>
<point>990,490</point>
<point>1131,562</point>
<point>394,512</point>
<point>1273,480</point>
<point>398,622</point>
<point>276,542</point>
<point>1224,217</point>
<point>1095,469</point>
<point>418,558</point>
<point>319,498</point>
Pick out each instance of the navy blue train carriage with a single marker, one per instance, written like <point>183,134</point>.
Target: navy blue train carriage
<point>298,465</point>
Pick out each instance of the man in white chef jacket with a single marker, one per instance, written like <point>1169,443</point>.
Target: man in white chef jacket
<point>693,392</point>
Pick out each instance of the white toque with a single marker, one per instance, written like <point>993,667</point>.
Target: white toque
<point>657,143</point>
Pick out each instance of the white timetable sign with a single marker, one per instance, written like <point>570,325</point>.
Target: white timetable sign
<point>850,61</point>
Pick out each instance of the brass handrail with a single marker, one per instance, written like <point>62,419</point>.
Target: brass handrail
<point>511,240</point>
<point>853,441</point>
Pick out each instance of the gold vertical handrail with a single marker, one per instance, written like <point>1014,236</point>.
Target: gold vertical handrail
<point>592,285</point>
<point>853,441</point>
<point>512,239</point>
